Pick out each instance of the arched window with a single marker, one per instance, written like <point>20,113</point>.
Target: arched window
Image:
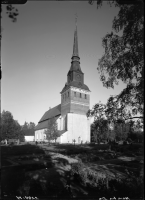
<point>75,94</point>
<point>80,95</point>
<point>68,94</point>
<point>85,96</point>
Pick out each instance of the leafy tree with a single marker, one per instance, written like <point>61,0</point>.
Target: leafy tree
<point>121,130</point>
<point>56,134</point>
<point>93,133</point>
<point>11,11</point>
<point>10,128</point>
<point>52,131</point>
<point>100,127</point>
<point>28,128</point>
<point>109,121</point>
<point>123,57</point>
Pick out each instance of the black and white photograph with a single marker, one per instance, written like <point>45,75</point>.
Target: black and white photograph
<point>72,100</point>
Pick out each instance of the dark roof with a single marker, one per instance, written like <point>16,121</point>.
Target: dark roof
<point>43,124</point>
<point>75,66</point>
<point>29,134</point>
<point>53,112</point>
<point>75,84</point>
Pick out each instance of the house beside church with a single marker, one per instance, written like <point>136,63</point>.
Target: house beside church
<point>70,114</point>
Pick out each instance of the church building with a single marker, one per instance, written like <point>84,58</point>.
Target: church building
<point>70,114</point>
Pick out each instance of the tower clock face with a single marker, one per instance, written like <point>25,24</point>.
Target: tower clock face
<point>78,77</point>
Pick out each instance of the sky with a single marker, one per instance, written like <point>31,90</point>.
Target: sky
<point>36,54</point>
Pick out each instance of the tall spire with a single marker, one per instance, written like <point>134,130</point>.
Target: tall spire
<point>75,63</point>
<point>75,46</point>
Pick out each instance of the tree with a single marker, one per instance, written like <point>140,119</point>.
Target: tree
<point>11,11</point>
<point>109,121</point>
<point>100,127</point>
<point>121,130</point>
<point>28,129</point>
<point>56,134</point>
<point>10,128</point>
<point>52,131</point>
<point>123,57</point>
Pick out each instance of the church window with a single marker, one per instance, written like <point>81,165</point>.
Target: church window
<point>85,96</point>
<point>80,95</point>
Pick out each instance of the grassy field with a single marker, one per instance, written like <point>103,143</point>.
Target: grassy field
<point>64,171</point>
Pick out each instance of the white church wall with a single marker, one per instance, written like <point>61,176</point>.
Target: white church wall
<point>78,128</point>
<point>40,134</point>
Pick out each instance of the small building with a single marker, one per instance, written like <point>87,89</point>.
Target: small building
<point>29,137</point>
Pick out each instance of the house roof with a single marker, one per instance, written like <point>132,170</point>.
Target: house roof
<point>29,134</point>
<point>75,84</point>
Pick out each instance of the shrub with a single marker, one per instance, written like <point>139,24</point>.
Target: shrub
<point>99,182</point>
<point>87,176</point>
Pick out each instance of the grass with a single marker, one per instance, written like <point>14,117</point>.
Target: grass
<point>47,170</point>
<point>27,149</point>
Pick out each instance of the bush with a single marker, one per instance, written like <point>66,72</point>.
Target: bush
<point>99,183</point>
<point>86,176</point>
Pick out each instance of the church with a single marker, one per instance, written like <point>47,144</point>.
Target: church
<point>70,114</point>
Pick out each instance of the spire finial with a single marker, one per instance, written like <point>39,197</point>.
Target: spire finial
<point>76,17</point>
<point>75,46</point>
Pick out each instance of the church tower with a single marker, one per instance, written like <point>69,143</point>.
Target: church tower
<point>75,101</point>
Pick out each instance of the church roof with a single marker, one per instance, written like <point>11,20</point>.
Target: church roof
<point>75,84</point>
<point>43,124</point>
<point>53,112</point>
<point>75,66</point>
<point>75,46</point>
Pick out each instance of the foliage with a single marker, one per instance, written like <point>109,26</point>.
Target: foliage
<point>123,60</point>
<point>86,176</point>
<point>121,130</point>
<point>11,11</point>
<point>10,128</point>
<point>52,130</point>
<point>56,134</point>
<point>101,182</point>
<point>28,129</point>
<point>137,136</point>
<point>111,122</point>
<point>101,129</point>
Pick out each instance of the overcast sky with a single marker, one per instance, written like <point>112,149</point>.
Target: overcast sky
<point>37,50</point>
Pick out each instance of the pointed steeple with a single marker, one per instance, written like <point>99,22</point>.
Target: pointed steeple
<point>75,63</point>
<point>75,76</point>
<point>75,46</point>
